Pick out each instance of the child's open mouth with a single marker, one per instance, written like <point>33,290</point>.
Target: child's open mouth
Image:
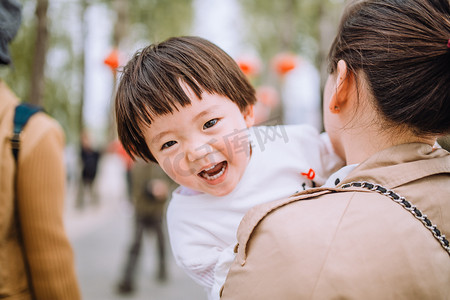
<point>214,171</point>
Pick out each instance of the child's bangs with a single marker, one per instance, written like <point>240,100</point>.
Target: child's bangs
<point>165,97</point>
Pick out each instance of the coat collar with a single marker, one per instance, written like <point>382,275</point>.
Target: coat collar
<point>398,165</point>
<point>390,168</point>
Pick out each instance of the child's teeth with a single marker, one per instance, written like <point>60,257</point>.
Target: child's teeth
<point>206,176</point>
<point>212,167</point>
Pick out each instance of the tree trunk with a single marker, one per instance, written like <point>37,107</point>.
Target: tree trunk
<point>37,79</point>
<point>120,31</point>
<point>82,64</point>
<point>288,31</point>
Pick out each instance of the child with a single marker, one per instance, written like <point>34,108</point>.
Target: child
<point>185,104</point>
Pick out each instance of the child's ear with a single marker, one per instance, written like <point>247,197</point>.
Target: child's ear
<point>249,115</point>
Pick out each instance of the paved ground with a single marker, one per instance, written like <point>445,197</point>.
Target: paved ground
<point>100,236</point>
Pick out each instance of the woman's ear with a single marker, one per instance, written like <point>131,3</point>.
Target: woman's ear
<point>249,115</point>
<point>343,88</point>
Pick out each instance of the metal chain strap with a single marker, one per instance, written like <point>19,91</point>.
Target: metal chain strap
<point>406,205</point>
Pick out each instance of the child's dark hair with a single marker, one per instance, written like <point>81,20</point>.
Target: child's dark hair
<point>151,85</point>
<point>401,47</point>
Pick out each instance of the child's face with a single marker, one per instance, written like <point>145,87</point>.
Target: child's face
<point>203,146</point>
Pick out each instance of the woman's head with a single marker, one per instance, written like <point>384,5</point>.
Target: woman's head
<point>10,20</point>
<point>153,81</point>
<point>399,47</point>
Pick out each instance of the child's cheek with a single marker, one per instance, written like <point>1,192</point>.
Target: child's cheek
<point>175,166</point>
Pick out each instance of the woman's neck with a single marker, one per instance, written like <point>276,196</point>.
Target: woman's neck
<point>360,144</point>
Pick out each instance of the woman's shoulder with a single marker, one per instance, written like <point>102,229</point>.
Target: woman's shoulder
<point>40,127</point>
<point>345,238</point>
<point>351,213</point>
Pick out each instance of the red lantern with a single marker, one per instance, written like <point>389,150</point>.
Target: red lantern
<point>249,65</point>
<point>112,60</point>
<point>284,62</point>
<point>245,67</point>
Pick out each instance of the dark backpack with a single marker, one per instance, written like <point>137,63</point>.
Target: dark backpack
<point>22,114</point>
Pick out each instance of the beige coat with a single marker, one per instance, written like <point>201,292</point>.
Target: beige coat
<point>41,180</point>
<point>352,243</point>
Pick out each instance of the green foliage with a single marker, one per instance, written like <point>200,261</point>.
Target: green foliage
<point>62,92</point>
<point>160,19</point>
<point>156,20</point>
<point>18,74</point>
<point>150,19</point>
<point>272,27</point>
<point>59,92</point>
<point>288,25</point>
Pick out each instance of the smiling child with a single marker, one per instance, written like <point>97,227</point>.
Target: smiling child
<point>185,104</point>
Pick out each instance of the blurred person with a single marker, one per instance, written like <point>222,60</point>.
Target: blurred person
<point>117,148</point>
<point>150,190</point>
<point>185,104</point>
<point>90,158</point>
<point>36,259</point>
<point>71,164</point>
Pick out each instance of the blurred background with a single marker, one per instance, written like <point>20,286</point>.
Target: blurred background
<point>67,58</point>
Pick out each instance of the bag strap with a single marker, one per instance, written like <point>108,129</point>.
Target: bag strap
<point>406,205</point>
<point>22,114</point>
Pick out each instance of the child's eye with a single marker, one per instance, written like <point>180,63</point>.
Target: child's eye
<point>168,144</point>
<point>210,123</point>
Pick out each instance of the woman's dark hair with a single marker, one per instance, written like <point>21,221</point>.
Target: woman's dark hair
<point>401,47</point>
<point>151,85</point>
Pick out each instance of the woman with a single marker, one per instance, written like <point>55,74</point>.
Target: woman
<point>36,258</point>
<point>386,101</point>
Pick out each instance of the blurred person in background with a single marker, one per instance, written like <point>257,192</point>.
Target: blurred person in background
<point>117,148</point>
<point>89,160</point>
<point>36,259</point>
<point>150,189</point>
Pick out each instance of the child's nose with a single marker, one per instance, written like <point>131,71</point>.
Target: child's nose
<point>198,150</point>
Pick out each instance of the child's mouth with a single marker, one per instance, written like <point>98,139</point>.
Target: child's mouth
<point>214,171</point>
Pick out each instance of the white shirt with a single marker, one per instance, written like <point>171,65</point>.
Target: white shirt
<point>337,176</point>
<point>202,228</point>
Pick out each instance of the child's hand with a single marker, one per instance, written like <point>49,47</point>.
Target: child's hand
<point>159,189</point>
